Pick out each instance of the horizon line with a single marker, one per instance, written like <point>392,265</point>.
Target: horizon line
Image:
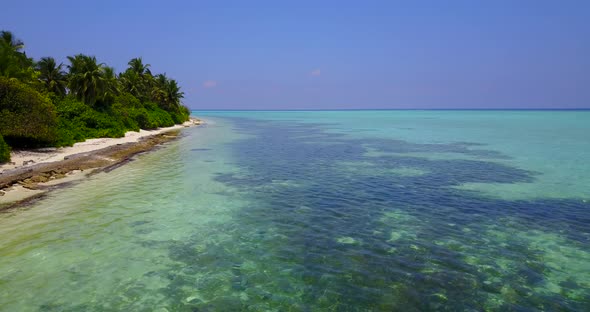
<point>393,109</point>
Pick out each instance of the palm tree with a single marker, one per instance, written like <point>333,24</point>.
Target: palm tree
<point>7,39</point>
<point>158,92</point>
<point>166,93</point>
<point>174,93</point>
<point>111,86</point>
<point>52,75</point>
<point>88,79</point>
<point>131,83</point>
<point>136,65</point>
<point>137,79</point>
<point>14,63</point>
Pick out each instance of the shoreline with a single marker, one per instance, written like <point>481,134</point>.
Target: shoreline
<point>33,173</point>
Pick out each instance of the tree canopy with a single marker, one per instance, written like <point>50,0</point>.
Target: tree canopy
<point>52,75</point>
<point>47,103</point>
<point>14,63</point>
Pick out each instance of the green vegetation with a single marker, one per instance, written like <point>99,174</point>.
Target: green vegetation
<point>44,103</point>
<point>4,151</point>
<point>27,118</point>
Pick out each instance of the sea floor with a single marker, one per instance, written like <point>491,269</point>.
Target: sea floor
<point>319,211</point>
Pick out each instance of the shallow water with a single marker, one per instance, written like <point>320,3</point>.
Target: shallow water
<point>320,211</point>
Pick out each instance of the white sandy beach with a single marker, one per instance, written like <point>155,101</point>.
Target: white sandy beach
<point>23,159</point>
<point>20,159</point>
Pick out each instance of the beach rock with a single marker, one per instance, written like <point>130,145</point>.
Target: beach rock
<point>2,193</point>
<point>26,162</point>
<point>193,299</point>
<point>56,176</point>
<point>46,150</point>
<point>28,176</point>
<point>30,186</point>
<point>347,240</point>
<point>39,179</point>
<point>63,171</point>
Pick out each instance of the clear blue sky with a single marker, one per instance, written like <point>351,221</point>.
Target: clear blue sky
<point>331,54</point>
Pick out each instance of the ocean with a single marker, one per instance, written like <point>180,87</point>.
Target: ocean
<point>384,210</point>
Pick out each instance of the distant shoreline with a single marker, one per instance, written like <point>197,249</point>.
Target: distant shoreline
<point>33,173</point>
<point>393,109</point>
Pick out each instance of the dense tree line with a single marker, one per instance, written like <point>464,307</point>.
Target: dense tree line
<point>43,103</point>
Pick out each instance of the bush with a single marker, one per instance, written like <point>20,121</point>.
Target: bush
<point>70,108</point>
<point>127,100</point>
<point>156,117</point>
<point>181,115</point>
<point>103,124</point>
<point>160,118</point>
<point>127,108</point>
<point>143,119</point>
<point>30,119</point>
<point>148,115</point>
<point>27,118</point>
<point>4,151</point>
<point>69,132</point>
<point>78,122</point>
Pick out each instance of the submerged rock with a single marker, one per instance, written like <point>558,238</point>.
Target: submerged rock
<point>347,240</point>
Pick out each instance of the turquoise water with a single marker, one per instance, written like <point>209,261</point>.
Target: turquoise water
<point>320,211</point>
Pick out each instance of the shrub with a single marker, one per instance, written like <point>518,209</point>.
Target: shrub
<point>78,122</point>
<point>103,124</point>
<point>27,118</point>
<point>181,115</point>
<point>156,117</point>
<point>70,129</point>
<point>127,100</point>
<point>127,108</point>
<point>159,118</point>
<point>69,132</point>
<point>70,108</point>
<point>141,116</point>
<point>4,151</point>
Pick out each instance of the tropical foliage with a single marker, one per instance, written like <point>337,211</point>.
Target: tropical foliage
<point>46,103</point>
<point>14,63</point>
<point>4,150</point>
<point>52,76</point>
<point>27,118</point>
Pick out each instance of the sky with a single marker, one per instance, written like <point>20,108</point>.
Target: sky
<point>331,54</point>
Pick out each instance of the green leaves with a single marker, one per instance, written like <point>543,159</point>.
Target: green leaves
<point>136,65</point>
<point>87,78</point>
<point>43,104</point>
<point>91,82</point>
<point>13,62</point>
<point>4,151</point>
<point>27,118</point>
<point>166,93</point>
<point>52,75</point>
<point>139,81</point>
<point>8,39</point>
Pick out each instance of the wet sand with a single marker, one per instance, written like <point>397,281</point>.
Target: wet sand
<point>33,173</point>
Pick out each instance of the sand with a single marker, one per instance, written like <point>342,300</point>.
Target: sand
<point>21,159</point>
<point>32,173</point>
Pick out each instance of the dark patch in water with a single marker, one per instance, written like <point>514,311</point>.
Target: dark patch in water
<point>316,236</point>
<point>200,149</point>
<point>419,274</point>
<point>143,231</point>
<point>138,223</point>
